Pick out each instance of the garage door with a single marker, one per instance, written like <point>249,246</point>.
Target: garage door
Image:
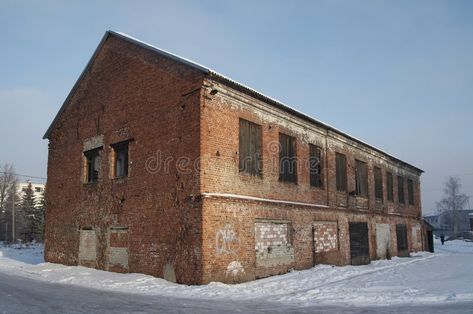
<point>401,235</point>
<point>359,245</point>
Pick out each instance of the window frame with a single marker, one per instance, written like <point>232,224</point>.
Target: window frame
<point>361,178</point>
<point>410,192</point>
<point>378,183</point>
<point>341,174</point>
<point>254,165</point>
<point>92,157</point>
<point>123,146</point>
<point>389,186</point>
<point>401,198</point>
<point>315,166</point>
<point>284,159</point>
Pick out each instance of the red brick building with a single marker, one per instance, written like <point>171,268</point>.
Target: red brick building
<point>162,166</point>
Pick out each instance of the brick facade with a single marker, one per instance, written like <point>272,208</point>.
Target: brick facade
<point>185,212</point>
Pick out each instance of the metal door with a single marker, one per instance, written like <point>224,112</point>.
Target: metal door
<point>359,243</point>
<point>401,235</point>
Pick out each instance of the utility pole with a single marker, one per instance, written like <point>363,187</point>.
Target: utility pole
<point>13,216</point>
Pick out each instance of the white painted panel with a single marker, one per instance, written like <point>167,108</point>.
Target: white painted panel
<point>383,240</point>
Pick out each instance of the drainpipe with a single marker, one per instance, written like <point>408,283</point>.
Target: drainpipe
<point>326,167</point>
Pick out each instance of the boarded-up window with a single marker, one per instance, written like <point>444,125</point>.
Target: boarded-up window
<point>250,148</point>
<point>315,165</point>
<point>361,178</point>
<point>273,243</point>
<point>400,189</point>
<point>410,191</point>
<point>378,183</point>
<point>389,186</point>
<point>287,158</point>
<point>341,172</point>
<point>325,236</point>
<point>92,165</point>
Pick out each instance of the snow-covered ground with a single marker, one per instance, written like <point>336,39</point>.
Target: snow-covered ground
<point>443,277</point>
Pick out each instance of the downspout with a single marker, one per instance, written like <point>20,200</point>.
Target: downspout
<point>326,168</point>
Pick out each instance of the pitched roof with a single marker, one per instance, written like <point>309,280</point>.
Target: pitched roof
<point>221,78</point>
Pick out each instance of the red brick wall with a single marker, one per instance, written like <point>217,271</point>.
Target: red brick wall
<point>240,216</point>
<point>129,92</point>
<point>220,174</point>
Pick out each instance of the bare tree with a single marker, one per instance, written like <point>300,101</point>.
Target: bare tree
<point>7,178</point>
<point>7,185</point>
<point>453,202</point>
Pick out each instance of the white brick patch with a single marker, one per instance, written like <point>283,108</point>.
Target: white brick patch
<point>325,236</point>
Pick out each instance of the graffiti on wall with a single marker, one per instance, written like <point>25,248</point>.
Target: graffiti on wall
<point>226,240</point>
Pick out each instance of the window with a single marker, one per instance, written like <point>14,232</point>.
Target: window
<point>315,165</point>
<point>92,165</point>
<point>120,159</point>
<point>287,158</point>
<point>378,183</point>
<point>361,178</point>
<point>341,172</point>
<point>400,189</point>
<point>250,148</point>
<point>390,186</point>
<point>410,191</point>
<point>37,189</point>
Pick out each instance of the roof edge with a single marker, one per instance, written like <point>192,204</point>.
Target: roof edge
<point>238,86</point>
<point>221,78</point>
<point>94,55</point>
<point>76,84</point>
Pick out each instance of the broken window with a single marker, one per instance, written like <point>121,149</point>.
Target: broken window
<point>287,158</point>
<point>120,159</point>
<point>315,165</point>
<point>341,172</point>
<point>361,178</point>
<point>250,148</point>
<point>410,191</point>
<point>378,183</point>
<point>389,186</point>
<point>400,189</point>
<point>92,165</point>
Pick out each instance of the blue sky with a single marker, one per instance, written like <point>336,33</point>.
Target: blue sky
<point>397,74</point>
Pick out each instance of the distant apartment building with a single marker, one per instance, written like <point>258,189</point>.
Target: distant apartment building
<point>162,166</point>
<point>38,189</point>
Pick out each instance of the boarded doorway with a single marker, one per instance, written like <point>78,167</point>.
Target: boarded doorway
<point>401,235</point>
<point>87,247</point>
<point>359,244</point>
<point>383,241</point>
<point>118,250</point>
